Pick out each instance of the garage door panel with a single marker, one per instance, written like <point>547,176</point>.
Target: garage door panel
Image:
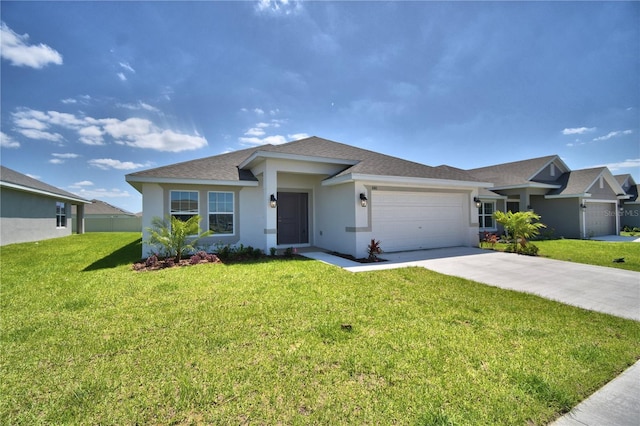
<point>414,220</point>
<point>600,219</point>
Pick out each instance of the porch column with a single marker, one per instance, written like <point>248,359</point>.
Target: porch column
<point>80,219</point>
<point>270,187</point>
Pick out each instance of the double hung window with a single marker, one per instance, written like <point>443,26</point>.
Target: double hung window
<point>221,213</point>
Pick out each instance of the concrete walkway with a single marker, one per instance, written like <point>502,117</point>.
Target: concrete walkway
<point>609,290</point>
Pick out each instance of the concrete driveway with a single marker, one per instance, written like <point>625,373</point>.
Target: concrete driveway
<point>609,290</point>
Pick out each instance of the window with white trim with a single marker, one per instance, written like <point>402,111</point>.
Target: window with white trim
<point>221,213</point>
<point>184,204</point>
<point>485,215</point>
<point>61,215</point>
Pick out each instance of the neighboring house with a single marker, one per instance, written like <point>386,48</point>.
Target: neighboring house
<point>103,217</point>
<point>315,192</point>
<point>572,203</point>
<point>630,213</point>
<point>31,210</point>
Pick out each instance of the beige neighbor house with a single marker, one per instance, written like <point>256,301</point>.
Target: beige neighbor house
<point>31,210</point>
<point>573,203</point>
<point>100,216</point>
<point>315,192</point>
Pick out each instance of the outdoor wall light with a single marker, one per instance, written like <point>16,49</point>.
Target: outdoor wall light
<point>583,206</point>
<point>273,202</point>
<point>363,200</point>
<point>478,202</point>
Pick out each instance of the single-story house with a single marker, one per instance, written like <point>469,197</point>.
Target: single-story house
<point>103,217</point>
<point>31,210</point>
<point>315,192</point>
<point>572,203</point>
<point>630,213</point>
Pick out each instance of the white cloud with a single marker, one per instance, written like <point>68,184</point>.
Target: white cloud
<point>139,106</point>
<point>578,130</point>
<point>626,164</point>
<point>100,193</point>
<point>279,7</point>
<point>613,135</point>
<point>33,176</point>
<point>136,132</point>
<point>109,163</point>
<point>259,111</point>
<point>255,131</point>
<point>121,76</point>
<point>16,49</point>
<point>69,101</point>
<point>7,141</point>
<point>127,67</point>
<point>61,158</point>
<point>67,155</point>
<point>82,183</point>
<point>40,135</point>
<point>91,135</point>
<point>298,136</point>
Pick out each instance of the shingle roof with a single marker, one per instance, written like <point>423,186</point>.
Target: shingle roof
<point>27,183</point>
<point>100,207</point>
<point>225,167</point>
<point>577,181</point>
<point>512,174</point>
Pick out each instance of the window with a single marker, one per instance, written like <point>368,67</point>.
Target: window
<point>513,206</point>
<point>184,204</point>
<point>221,212</point>
<point>485,215</point>
<point>61,215</point>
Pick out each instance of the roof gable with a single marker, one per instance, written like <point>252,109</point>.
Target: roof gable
<point>518,173</point>
<point>582,182</point>
<point>16,180</point>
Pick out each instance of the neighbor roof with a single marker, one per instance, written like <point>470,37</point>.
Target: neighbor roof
<point>100,207</point>
<point>11,179</point>
<point>578,182</point>
<point>225,167</point>
<point>516,173</point>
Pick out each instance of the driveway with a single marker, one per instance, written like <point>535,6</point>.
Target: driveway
<point>609,290</point>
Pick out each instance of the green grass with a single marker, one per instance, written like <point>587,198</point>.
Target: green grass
<point>600,253</point>
<point>85,340</point>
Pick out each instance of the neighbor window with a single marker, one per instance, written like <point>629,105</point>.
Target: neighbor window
<point>221,212</point>
<point>485,215</point>
<point>61,215</point>
<point>184,204</point>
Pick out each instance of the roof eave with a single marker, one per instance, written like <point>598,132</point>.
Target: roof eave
<point>403,181</point>
<point>297,157</point>
<point>581,195</point>
<point>528,185</point>
<point>41,192</point>
<point>132,180</point>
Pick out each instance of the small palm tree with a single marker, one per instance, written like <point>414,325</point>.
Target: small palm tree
<point>520,226</point>
<point>174,236</point>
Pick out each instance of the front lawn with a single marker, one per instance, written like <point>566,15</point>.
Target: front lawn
<point>86,340</point>
<point>600,253</point>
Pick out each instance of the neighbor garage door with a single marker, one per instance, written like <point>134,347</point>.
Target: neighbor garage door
<point>600,219</point>
<point>417,220</point>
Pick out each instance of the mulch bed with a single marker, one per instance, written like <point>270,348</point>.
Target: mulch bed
<point>359,260</point>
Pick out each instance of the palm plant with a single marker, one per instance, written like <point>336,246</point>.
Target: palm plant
<point>520,226</point>
<point>175,237</point>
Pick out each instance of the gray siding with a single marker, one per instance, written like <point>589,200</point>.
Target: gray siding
<point>26,217</point>
<point>604,193</point>
<point>560,214</point>
<point>630,216</point>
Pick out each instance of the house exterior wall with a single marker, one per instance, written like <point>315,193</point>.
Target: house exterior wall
<point>562,216</point>
<point>630,216</point>
<point>106,223</point>
<point>604,193</point>
<point>336,226</point>
<point>26,217</point>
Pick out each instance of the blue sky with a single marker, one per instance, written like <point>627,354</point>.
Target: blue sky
<point>92,91</point>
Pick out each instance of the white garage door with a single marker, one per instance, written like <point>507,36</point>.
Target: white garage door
<point>600,219</point>
<point>417,220</point>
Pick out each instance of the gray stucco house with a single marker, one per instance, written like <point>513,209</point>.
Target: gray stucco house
<point>100,216</point>
<point>31,210</point>
<point>630,213</point>
<point>315,192</point>
<point>573,203</point>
